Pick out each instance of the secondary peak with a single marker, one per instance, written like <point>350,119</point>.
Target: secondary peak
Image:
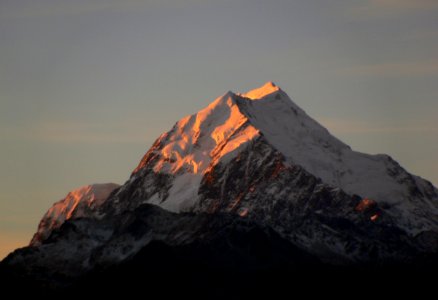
<point>261,92</point>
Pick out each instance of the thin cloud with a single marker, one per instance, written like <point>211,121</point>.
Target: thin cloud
<point>425,35</point>
<point>342,126</point>
<point>63,8</point>
<point>36,9</point>
<point>405,5</point>
<point>391,8</point>
<point>411,69</point>
<point>80,132</point>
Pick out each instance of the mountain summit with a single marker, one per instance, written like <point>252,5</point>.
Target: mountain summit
<point>201,143</point>
<point>254,166</point>
<point>267,89</point>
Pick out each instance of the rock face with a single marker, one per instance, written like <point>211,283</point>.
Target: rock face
<point>80,203</point>
<point>247,163</point>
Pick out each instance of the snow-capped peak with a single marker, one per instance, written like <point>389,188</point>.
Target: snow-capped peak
<point>267,89</point>
<point>195,144</point>
<point>217,132</point>
<point>197,140</point>
<point>229,124</point>
<point>81,202</point>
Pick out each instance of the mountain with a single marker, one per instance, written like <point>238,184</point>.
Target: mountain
<point>201,143</point>
<point>260,156</point>
<point>80,203</point>
<point>248,185</point>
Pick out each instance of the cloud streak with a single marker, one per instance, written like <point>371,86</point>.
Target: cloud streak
<point>344,126</point>
<point>391,8</point>
<point>70,132</point>
<point>34,9</point>
<point>395,69</point>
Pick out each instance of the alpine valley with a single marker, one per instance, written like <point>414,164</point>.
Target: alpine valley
<point>250,194</point>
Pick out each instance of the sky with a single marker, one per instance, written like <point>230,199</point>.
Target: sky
<point>86,86</point>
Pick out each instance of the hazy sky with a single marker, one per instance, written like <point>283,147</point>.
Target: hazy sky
<point>86,85</point>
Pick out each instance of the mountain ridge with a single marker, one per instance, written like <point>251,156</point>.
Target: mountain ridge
<point>81,202</point>
<point>232,121</point>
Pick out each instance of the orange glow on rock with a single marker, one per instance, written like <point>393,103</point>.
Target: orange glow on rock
<point>243,212</point>
<point>246,135</point>
<point>198,142</point>
<point>279,167</point>
<point>235,202</point>
<point>365,204</point>
<point>234,121</point>
<point>79,203</point>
